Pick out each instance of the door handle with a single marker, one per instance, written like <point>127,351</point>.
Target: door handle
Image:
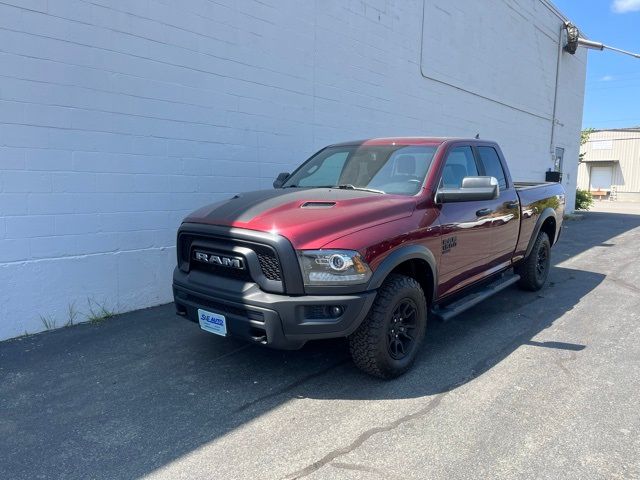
<point>483,211</point>
<point>511,204</point>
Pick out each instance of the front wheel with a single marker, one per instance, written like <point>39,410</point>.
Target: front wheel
<point>534,269</point>
<point>387,342</point>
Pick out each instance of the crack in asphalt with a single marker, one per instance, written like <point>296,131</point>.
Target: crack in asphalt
<point>366,435</point>
<point>288,387</point>
<point>229,354</point>
<point>623,283</point>
<point>481,366</point>
<point>363,468</point>
<point>560,362</point>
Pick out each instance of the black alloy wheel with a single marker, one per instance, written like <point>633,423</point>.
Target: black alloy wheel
<point>388,340</point>
<point>534,269</point>
<point>401,329</point>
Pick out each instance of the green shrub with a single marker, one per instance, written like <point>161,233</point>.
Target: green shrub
<point>584,199</point>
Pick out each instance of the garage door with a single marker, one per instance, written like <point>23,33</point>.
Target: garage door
<point>600,178</point>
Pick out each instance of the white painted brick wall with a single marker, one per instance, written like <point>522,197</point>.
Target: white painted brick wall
<point>118,117</point>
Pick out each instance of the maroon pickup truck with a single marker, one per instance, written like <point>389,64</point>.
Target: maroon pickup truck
<point>367,240</point>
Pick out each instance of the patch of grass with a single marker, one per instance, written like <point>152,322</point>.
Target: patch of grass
<point>23,336</point>
<point>98,311</point>
<point>72,314</point>
<point>48,322</point>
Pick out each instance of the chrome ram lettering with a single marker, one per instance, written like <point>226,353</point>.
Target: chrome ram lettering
<point>217,259</point>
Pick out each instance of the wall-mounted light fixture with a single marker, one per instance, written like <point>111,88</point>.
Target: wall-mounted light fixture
<point>574,40</point>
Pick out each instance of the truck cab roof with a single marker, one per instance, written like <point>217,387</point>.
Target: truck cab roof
<point>409,141</point>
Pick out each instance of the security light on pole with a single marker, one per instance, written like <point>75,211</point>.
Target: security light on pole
<point>574,40</point>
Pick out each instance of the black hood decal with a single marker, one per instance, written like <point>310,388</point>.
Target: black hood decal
<point>244,207</point>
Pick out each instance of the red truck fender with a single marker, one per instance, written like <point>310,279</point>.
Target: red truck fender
<point>548,215</point>
<point>403,255</point>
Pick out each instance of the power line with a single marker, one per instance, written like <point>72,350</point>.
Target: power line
<point>612,78</point>
<point>615,75</point>
<point>610,87</point>
<point>634,120</point>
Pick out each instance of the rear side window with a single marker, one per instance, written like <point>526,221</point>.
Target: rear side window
<point>460,163</point>
<point>492,165</point>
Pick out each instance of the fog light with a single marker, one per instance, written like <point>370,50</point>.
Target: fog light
<point>320,312</point>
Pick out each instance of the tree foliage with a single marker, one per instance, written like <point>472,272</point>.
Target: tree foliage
<point>584,138</point>
<point>584,135</point>
<point>584,199</point>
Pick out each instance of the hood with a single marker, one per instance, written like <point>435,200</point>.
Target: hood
<point>308,217</point>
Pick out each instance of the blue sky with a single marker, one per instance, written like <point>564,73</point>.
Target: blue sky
<point>612,97</point>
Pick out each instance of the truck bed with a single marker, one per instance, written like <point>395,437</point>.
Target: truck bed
<point>535,197</point>
<point>527,185</point>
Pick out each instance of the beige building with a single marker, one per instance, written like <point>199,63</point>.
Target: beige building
<point>610,166</point>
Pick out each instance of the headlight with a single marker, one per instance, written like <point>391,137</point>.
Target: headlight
<point>341,267</point>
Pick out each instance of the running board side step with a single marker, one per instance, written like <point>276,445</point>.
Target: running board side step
<point>448,312</point>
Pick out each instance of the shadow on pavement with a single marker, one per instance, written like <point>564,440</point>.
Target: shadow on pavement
<point>123,398</point>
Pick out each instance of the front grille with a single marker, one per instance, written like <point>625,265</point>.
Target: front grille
<point>270,266</point>
<point>221,271</point>
<point>267,257</point>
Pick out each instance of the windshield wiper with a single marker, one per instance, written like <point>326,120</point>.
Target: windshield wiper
<point>348,186</point>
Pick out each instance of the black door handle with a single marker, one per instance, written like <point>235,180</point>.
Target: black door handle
<point>483,211</point>
<point>511,204</point>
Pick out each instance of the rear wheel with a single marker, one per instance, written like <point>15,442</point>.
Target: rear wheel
<point>388,340</point>
<point>534,270</point>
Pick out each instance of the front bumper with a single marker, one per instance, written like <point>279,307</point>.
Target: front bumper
<point>275,320</point>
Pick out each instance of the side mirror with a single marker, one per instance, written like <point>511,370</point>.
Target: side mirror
<point>473,189</point>
<point>279,181</point>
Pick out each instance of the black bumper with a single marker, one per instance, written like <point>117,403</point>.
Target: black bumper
<point>275,320</point>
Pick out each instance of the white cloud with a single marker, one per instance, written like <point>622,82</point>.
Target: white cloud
<point>625,6</point>
<point>606,78</point>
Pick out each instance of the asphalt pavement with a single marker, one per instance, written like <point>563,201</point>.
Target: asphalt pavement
<point>526,385</point>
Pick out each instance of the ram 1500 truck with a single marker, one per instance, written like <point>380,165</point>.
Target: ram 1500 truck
<point>367,240</point>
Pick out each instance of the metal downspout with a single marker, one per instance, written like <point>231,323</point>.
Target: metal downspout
<point>555,95</point>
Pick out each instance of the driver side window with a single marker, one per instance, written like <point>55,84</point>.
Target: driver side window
<point>327,172</point>
<point>460,163</point>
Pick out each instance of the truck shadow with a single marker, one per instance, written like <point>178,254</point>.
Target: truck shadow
<point>454,352</point>
<point>124,398</point>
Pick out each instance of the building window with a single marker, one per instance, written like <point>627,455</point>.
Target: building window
<point>557,164</point>
<point>602,145</point>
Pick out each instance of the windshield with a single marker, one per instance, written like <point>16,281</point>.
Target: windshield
<point>395,169</point>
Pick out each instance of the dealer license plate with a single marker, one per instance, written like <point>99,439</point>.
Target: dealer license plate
<point>212,322</point>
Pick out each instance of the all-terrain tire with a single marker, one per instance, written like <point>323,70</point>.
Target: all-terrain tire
<point>374,346</point>
<point>534,270</point>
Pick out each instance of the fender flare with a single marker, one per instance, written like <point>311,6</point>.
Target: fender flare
<point>400,255</point>
<point>546,213</point>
